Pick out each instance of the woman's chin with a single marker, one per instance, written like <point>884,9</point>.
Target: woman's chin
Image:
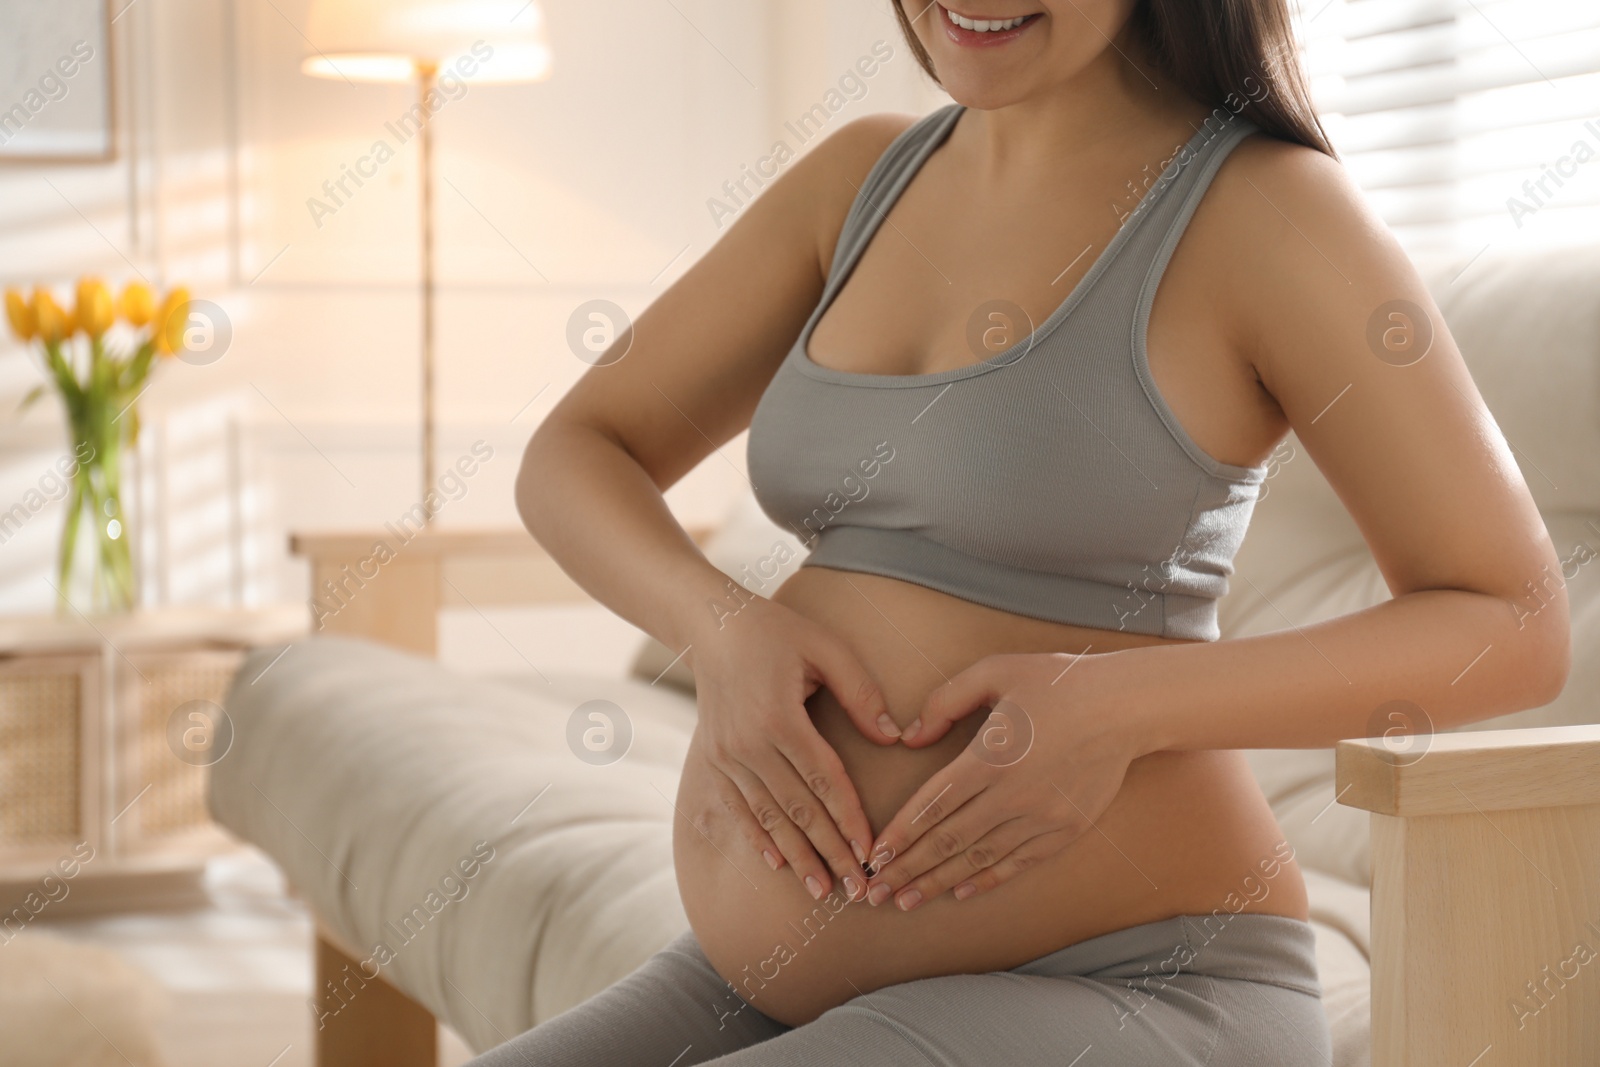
<point>982,91</point>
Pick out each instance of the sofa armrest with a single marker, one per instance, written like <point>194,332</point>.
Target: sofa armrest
<point>388,586</point>
<point>1485,895</point>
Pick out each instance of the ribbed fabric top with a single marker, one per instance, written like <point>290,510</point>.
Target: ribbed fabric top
<point>1050,480</point>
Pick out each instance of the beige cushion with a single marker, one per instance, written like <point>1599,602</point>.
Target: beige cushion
<point>369,775</point>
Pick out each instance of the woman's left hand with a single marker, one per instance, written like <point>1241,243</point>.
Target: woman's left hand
<point>1046,763</point>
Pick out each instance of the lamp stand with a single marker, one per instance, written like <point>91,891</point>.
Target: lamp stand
<point>426,74</point>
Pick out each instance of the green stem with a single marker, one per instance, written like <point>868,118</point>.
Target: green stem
<point>116,561</point>
<point>69,539</point>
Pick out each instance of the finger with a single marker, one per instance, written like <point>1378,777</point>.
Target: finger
<point>961,780</point>
<point>980,685</point>
<point>947,842</point>
<point>734,805</point>
<point>1029,854</point>
<point>823,772</point>
<point>856,691</point>
<point>768,813</point>
<point>811,818</point>
<point>960,865</point>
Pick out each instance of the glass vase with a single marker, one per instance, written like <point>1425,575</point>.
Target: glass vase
<point>96,529</point>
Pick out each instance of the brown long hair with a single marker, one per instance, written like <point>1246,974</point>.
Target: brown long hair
<point>1215,51</point>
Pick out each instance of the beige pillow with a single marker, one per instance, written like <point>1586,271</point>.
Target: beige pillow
<point>744,538</point>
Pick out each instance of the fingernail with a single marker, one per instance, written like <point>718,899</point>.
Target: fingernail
<point>878,894</point>
<point>965,890</point>
<point>909,899</point>
<point>861,853</point>
<point>814,887</point>
<point>772,861</point>
<point>851,887</point>
<point>912,731</point>
<point>887,725</point>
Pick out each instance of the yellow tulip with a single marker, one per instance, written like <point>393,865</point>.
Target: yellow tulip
<point>171,321</point>
<point>95,312</point>
<point>138,304</point>
<point>23,323</point>
<point>53,321</point>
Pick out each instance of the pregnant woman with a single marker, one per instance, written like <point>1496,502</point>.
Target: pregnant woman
<point>966,789</point>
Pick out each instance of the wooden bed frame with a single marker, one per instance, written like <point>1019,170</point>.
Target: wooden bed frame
<point>1485,851</point>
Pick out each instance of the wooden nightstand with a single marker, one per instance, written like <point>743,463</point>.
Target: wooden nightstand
<point>107,727</point>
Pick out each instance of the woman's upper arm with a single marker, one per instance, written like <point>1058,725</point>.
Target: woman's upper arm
<point>700,356</point>
<point>1325,297</point>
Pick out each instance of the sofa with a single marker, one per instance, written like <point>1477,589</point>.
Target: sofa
<point>508,872</point>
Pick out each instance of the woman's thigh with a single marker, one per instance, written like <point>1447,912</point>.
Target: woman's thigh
<point>1031,1021</point>
<point>1192,991</point>
<point>1241,991</point>
<point>673,1010</point>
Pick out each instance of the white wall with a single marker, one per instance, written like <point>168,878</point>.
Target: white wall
<point>592,184</point>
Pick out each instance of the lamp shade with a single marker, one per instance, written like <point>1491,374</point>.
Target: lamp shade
<point>499,41</point>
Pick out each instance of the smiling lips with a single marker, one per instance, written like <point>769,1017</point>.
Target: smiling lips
<point>964,30</point>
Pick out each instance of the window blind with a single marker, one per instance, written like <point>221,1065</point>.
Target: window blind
<point>1467,122</point>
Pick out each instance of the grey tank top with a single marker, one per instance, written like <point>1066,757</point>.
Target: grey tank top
<point>1050,480</point>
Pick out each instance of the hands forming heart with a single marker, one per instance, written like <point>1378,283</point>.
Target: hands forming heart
<point>1048,760</point>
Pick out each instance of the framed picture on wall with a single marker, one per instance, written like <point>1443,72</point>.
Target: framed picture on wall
<point>55,81</point>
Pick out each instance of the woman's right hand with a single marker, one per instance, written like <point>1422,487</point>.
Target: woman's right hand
<point>782,783</point>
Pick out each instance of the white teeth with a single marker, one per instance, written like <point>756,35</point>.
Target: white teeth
<point>985,25</point>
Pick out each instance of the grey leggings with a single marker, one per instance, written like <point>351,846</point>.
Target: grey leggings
<point>1219,990</point>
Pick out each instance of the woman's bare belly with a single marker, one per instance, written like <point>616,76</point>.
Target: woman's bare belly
<point>1189,832</point>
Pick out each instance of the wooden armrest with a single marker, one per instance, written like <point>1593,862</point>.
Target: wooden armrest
<point>1495,770</point>
<point>1485,896</point>
<point>388,584</point>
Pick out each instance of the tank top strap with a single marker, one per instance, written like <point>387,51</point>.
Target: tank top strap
<point>1162,211</point>
<point>885,181</point>
<point>1178,189</point>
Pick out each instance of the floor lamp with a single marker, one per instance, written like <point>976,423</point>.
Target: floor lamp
<point>479,42</point>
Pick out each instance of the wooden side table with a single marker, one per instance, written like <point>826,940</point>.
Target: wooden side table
<point>107,727</point>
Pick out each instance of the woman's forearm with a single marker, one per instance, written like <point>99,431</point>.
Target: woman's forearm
<point>764,766</point>
<point>1458,656</point>
<point>597,512</point>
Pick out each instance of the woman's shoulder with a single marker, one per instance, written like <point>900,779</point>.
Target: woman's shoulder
<point>856,147</point>
<point>839,167</point>
<point>1302,173</point>
<point>1270,189</point>
<point>1299,260</point>
<point>1287,225</point>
